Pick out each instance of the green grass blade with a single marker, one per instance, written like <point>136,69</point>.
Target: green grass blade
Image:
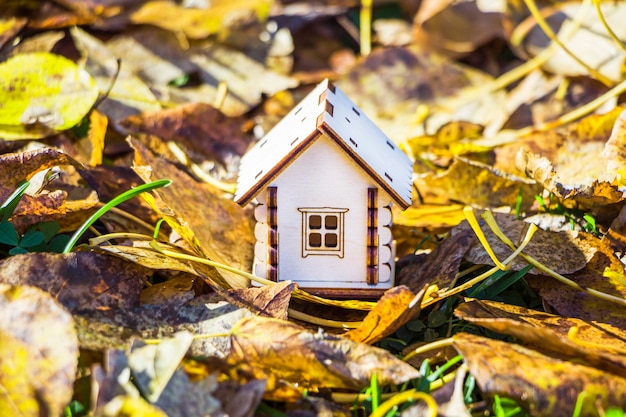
<point>7,208</point>
<point>127,195</point>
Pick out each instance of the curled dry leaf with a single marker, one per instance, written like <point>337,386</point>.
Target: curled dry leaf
<point>312,360</point>
<point>216,227</point>
<point>542,385</point>
<point>396,307</point>
<point>16,167</point>
<point>39,349</point>
<point>81,281</point>
<point>598,344</point>
<point>594,195</point>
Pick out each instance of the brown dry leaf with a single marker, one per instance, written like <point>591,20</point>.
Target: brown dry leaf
<point>198,23</point>
<point>597,344</point>
<point>378,84</point>
<point>240,400</point>
<point>476,184</point>
<point>200,128</point>
<point>396,307</point>
<point>455,27</point>
<point>204,315</point>
<point>604,273</point>
<point>212,225</point>
<point>269,300</point>
<point>441,265</point>
<point>542,385</point>
<point>81,281</point>
<point>39,343</point>
<point>15,167</point>
<point>576,249</point>
<point>129,94</point>
<point>312,360</point>
<point>175,291</point>
<point>70,206</point>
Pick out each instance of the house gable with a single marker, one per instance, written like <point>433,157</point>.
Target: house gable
<point>326,110</point>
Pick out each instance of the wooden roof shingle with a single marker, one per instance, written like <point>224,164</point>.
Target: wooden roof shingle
<point>326,110</point>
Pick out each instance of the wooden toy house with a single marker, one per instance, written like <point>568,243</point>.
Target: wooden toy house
<point>325,178</point>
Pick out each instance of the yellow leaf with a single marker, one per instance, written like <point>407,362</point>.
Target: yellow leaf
<point>41,93</point>
<point>198,23</point>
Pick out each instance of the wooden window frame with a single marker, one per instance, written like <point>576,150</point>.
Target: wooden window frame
<point>321,249</point>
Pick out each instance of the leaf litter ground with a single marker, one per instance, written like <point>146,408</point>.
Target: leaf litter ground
<point>98,98</point>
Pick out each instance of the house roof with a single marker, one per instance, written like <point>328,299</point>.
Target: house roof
<point>326,110</point>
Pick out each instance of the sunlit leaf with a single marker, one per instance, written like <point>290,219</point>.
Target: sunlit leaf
<point>42,93</point>
<point>314,360</point>
<point>543,385</point>
<point>39,352</point>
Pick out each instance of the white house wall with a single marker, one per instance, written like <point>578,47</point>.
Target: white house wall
<point>323,176</point>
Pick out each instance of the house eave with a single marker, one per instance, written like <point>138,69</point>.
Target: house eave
<point>249,195</point>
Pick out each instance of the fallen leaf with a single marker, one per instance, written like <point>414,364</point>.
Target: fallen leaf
<point>542,385</point>
<point>240,400</point>
<point>455,27</point>
<point>395,308</point>
<point>392,100</point>
<point>604,273</point>
<point>128,95</point>
<point>312,360</point>
<point>39,352</point>
<point>204,315</point>
<point>478,185</point>
<point>195,22</point>
<point>588,40</point>
<point>42,93</point>
<point>215,227</point>
<point>201,129</point>
<point>81,281</point>
<point>593,343</point>
<point>575,248</point>
<point>153,365</point>
<point>245,89</point>
<point>593,195</point>
<point>269,300</point>
<point>175,291</point>
<point>440,266</point>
